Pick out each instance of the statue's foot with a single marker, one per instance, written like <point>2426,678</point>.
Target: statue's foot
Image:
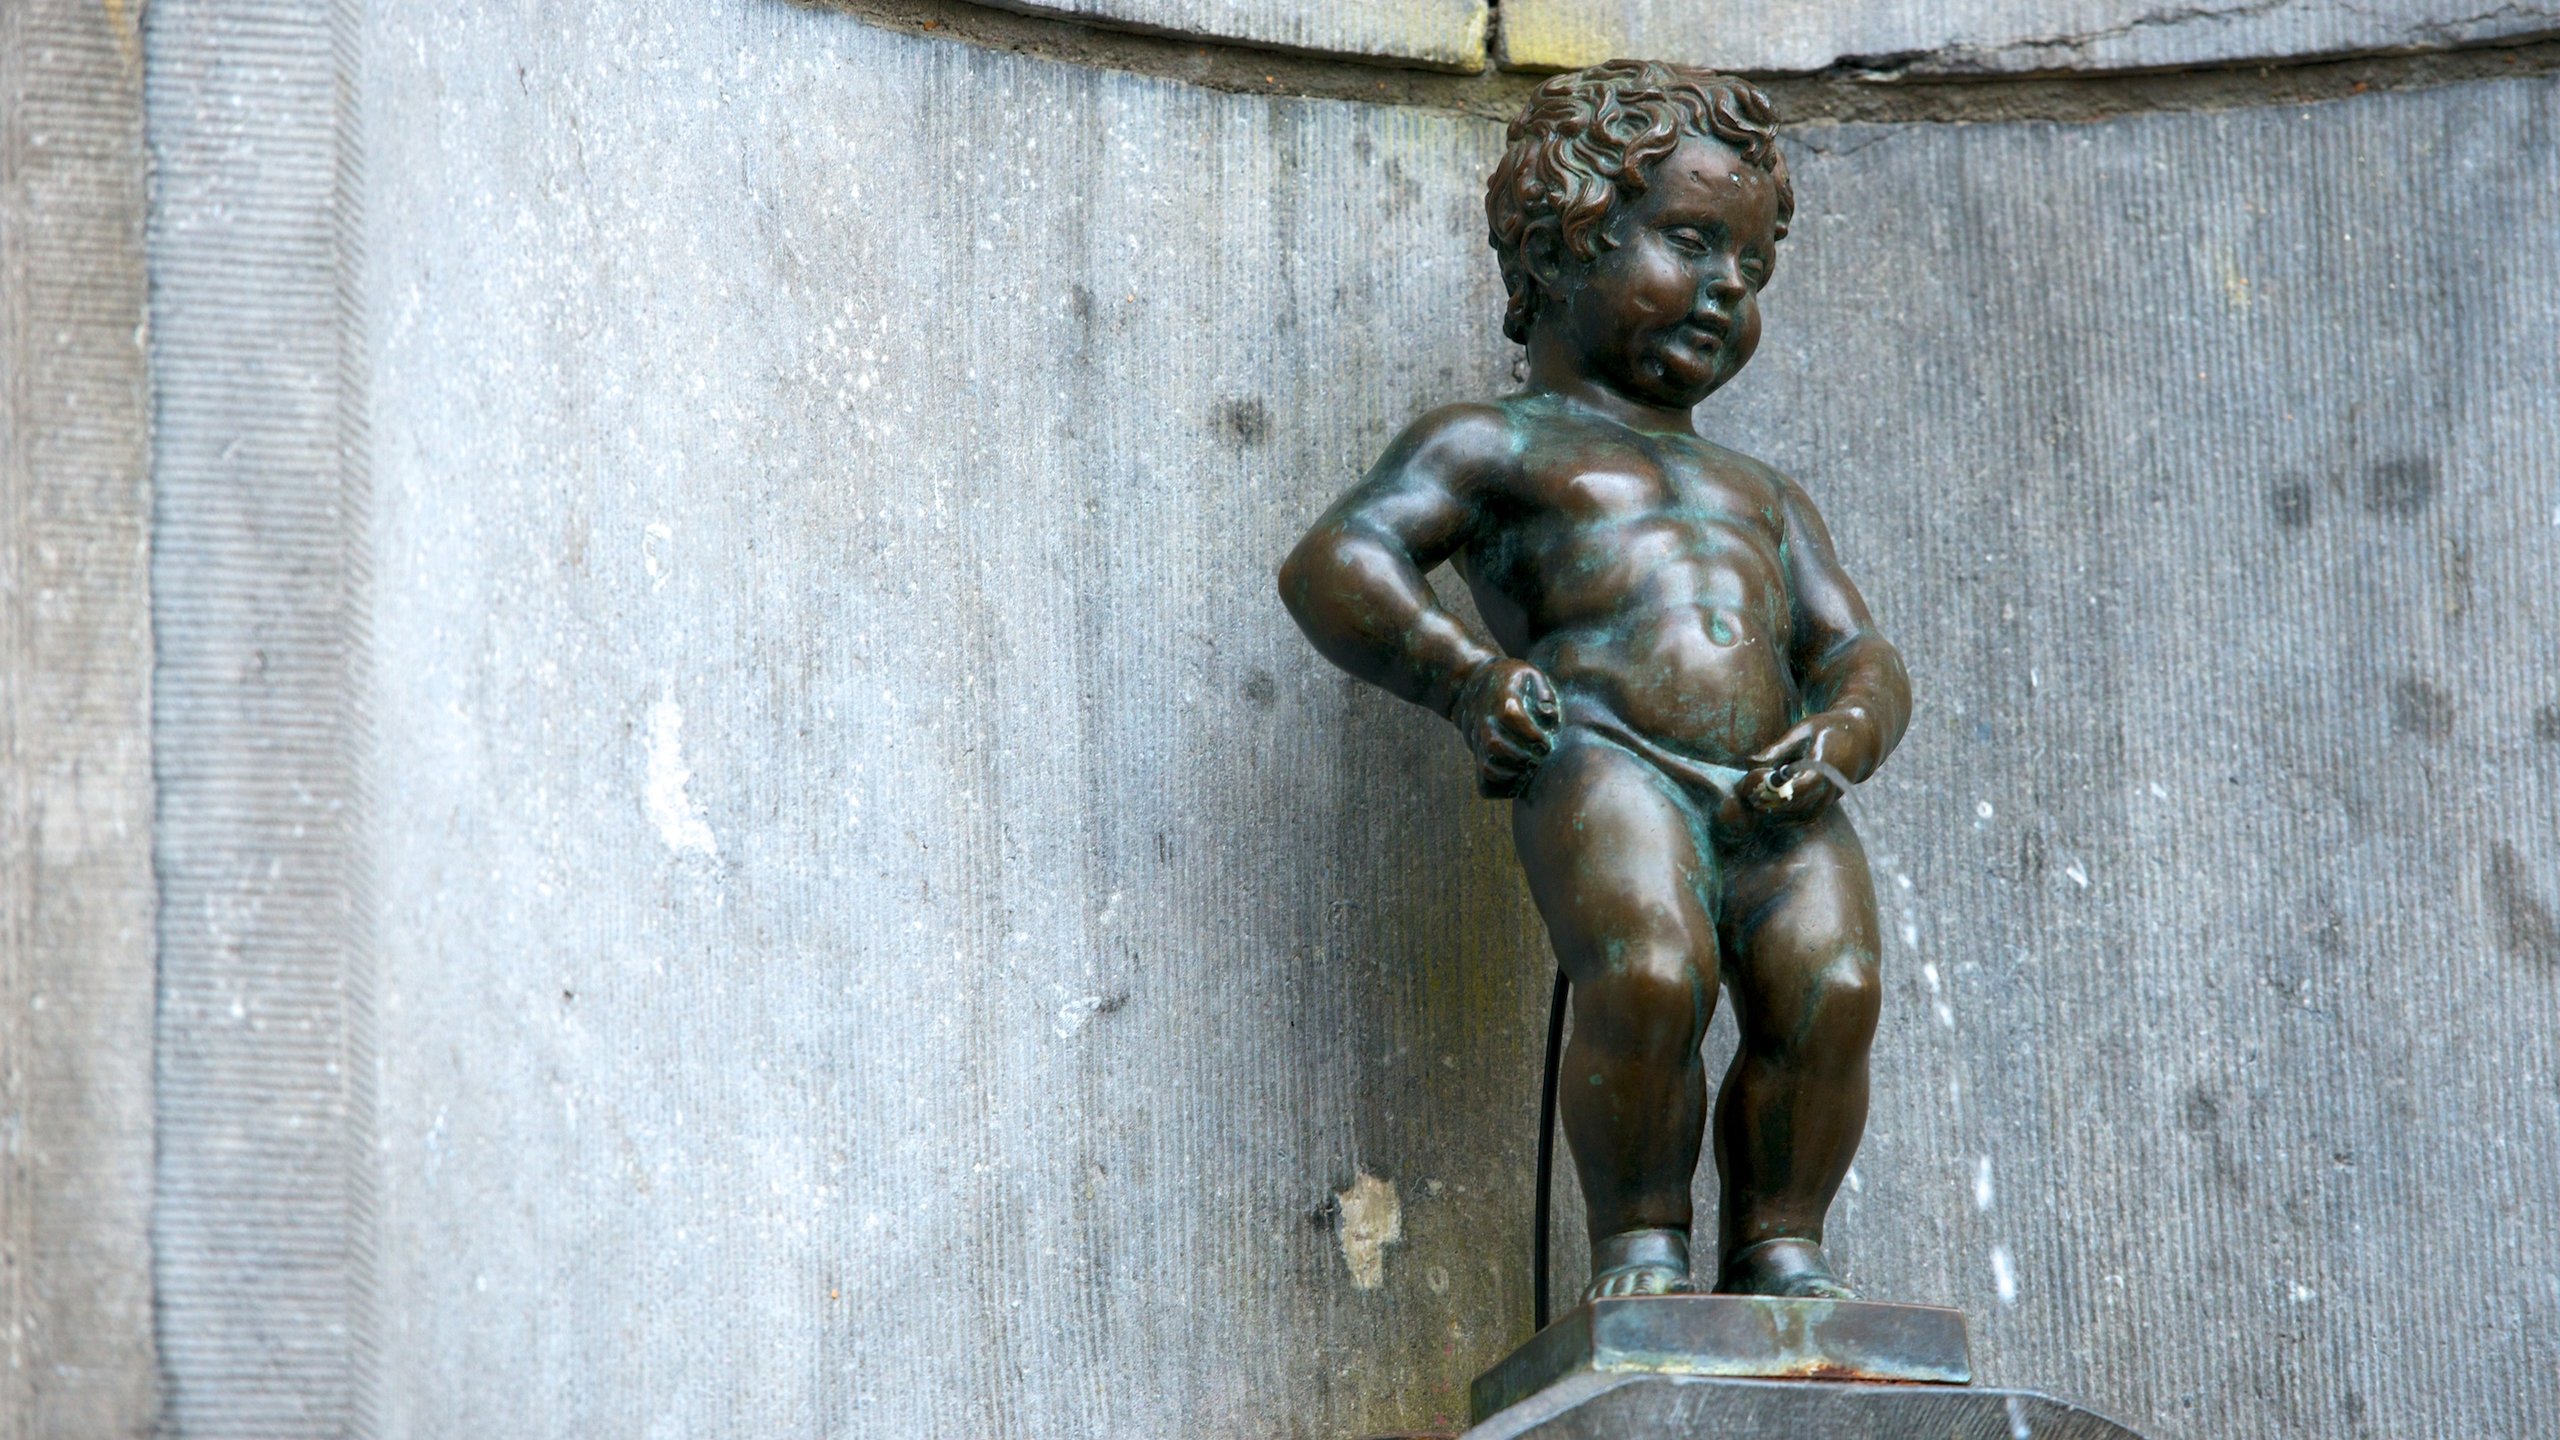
<point>1640,1262</point>
<point>1788,1269</point>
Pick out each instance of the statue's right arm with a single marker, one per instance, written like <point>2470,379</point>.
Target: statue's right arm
<point>1355,583</point>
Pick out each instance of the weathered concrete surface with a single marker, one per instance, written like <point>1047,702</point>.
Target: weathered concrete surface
<point>881,927</point>
<point>1443,34</point>
<point>1995,36</point>
<point>76,1358</point>
<point>258,468</point>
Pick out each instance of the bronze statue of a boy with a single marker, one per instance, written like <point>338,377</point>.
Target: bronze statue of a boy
<point>1685,681</point>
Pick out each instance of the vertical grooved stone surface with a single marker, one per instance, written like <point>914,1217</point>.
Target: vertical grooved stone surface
<point>76,1358</point>
<point>263,1218</point>
<point>1997,36</point>
<point>1439,34</point>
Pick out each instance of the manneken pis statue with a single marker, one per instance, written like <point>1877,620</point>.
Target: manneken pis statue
<point>1685,681</point>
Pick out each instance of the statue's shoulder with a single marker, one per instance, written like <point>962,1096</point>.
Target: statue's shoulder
<point>1470,440</point>
<point>1472,423</point>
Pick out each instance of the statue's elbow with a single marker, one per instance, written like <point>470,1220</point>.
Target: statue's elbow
<point>1893,676</point>
<point>1297,577</point>
<point>1893,688</point>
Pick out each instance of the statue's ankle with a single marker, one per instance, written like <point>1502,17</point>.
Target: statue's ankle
<point>1781,1265</point>
<point>1658,1249</point>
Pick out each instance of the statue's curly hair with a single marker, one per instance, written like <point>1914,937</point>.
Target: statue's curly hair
<point>1583,143</point>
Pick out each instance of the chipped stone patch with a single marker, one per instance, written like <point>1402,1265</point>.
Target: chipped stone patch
<point>1371,1219</point>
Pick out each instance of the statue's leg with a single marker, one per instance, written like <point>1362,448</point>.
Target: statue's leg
<point>1616,859</point>
<point>1800,941</point>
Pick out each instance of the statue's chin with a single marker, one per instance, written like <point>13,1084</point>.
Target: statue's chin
<point>1661,390</point>
<point>1677,381</point>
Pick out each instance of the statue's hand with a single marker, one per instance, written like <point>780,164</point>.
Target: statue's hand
<point>1803,771</point>
<point>1509,713</point>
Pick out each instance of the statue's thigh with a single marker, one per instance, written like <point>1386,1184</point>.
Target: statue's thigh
<point>1617,861</point>
<point>1799,927</point>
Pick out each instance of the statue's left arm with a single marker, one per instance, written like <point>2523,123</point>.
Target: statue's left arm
<point>1857,696</point>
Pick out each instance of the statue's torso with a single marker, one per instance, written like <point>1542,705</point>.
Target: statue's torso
<point>1646,572</point>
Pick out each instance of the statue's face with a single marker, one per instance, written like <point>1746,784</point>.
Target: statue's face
<point>1672,310</point>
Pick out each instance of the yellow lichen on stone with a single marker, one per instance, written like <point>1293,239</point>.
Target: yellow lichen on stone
<point>1558,35</point>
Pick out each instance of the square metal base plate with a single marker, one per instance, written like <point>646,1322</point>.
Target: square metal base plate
<point>1591,1405</point>
<point>1733,1337</point>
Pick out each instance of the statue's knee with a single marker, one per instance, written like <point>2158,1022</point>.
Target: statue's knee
<point>1846,997</point>
<point>1827,1017</point>
<point>1651,999</point>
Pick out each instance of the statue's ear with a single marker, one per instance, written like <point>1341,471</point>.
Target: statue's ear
<point>1542,251</point>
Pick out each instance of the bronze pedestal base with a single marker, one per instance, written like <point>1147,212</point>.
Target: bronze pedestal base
<point>1733,1337</point>
<point>1736,1367</point>
<point>1601,1406</point>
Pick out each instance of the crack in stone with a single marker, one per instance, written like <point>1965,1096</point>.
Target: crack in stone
<point>2153,20</point>
<point>2457,29</point>
<point>1963,58</point>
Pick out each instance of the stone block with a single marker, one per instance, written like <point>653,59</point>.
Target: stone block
<point>1988,37</point>
<point>1438,34</point>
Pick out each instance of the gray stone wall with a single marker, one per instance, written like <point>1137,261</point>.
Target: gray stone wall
<point>743,847</point>
<point>76,893</point>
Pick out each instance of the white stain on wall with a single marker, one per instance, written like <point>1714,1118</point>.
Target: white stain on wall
<point>2004,1275</point>
<point>671,809</point>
